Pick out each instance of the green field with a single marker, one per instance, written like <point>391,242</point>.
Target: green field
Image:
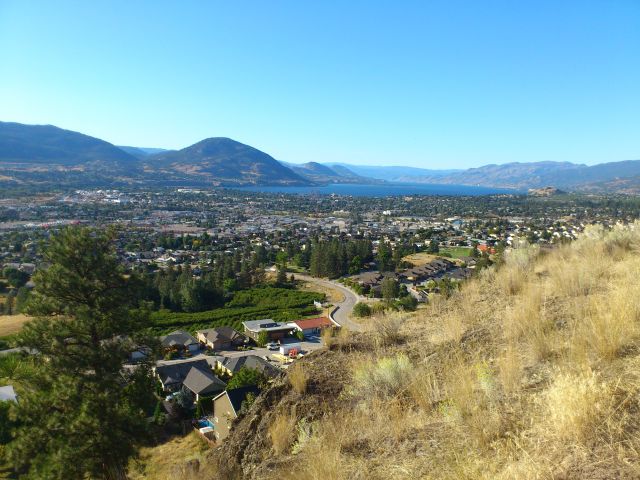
<point>280,304</point>
<point>456,252</point>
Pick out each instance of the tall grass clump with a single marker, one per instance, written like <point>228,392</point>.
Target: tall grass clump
<point>281,432</point>
<point>298,377</point>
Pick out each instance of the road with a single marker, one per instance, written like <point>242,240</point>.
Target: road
<point>343,311</point>
<point>307,346</point>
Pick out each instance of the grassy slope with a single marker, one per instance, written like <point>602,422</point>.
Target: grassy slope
<point>157,463</point>
<point>530,372</point>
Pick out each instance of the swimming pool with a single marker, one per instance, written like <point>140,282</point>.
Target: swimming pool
<point>205,422</point>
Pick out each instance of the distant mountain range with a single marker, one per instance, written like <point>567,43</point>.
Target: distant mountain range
<point>324,174</point>
<point>564,175</point>
<point>141,152</point>
<point>50,156</point>
<point>392,173</point>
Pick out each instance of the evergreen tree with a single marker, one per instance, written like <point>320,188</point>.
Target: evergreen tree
<point>75,392</point>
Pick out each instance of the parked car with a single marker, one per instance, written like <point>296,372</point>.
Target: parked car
<point>273,346</point>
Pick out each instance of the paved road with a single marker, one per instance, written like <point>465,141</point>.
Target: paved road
<point>344,308</point>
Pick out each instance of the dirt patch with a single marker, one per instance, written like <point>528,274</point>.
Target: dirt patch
<point>419,259</point>
<point>10,324</point>
<point>333,294</point>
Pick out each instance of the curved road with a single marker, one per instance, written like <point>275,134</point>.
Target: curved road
<point>343,309</point>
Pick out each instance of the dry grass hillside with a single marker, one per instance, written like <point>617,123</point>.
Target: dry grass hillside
<point>531,371</point>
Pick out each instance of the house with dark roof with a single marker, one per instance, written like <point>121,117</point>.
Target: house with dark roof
<point>254,362</point>
<point>202,383</point>
<point>180,340</point>
<point>220,338</point>
<point>226,408</point>
<point>172,376</point>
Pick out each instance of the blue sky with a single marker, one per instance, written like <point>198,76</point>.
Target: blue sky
<point>434,84</point>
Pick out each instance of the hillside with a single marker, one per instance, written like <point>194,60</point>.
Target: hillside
<point>391,173</point>
<point>564,175</point>
<point>141,152</point>
<point>531,371</point>
<point>319,173</point>
<point>224,161</point>
<point>46,145</point>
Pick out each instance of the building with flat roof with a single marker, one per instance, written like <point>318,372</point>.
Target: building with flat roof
<point>274,330</point>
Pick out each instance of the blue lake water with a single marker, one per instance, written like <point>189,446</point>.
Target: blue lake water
<point>395,189</point>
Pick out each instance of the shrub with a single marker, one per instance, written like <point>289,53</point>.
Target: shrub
<point>361,310</point>
<point>327,336</point>
<point>263,339</point>
<point>384,378</point>
<point>246,377</point>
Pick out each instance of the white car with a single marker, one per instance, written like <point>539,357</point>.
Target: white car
<point>273,346</point>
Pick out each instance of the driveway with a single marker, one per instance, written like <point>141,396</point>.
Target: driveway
<point>342,313</point>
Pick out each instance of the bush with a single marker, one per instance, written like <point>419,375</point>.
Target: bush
<point>300,335</point>
<point>246,377</point>
<point>385,378</point>
<point>408,303</point>
<point>361,310</point>
<point>263,339</point>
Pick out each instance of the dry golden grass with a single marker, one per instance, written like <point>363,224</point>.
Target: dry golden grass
<point>10,324</point>
<point>171,459</point>
<point>298,377</point>
<point>419,259</point>
<point>281,432</point>
<point>333,294</point>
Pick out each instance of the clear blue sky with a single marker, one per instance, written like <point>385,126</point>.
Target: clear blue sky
<point>436,84</point>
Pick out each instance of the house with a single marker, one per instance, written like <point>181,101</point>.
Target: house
<point>8,394</point>
<point>254,362</point>
<point>313,326</point>
<point>226,407</point>
<point>274,330</point>
<point>172,376</point>
<point>180,340</point>
<point>202,383</point>
<point>220,338</point>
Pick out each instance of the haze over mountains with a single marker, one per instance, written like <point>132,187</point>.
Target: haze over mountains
<point>48,155</point>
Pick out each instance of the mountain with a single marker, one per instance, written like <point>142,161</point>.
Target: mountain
<point>141,152</point>
<point>390,173</point>
<point>223,161</point>
<point>49,156</point>
<point>564,175</point>
<point>46,145</point>
<point>319,173</point>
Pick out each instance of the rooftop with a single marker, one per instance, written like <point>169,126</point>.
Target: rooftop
<point>266,325</point>
<point>319,322</point>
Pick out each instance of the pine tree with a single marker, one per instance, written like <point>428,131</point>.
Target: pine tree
<point>81,416</point>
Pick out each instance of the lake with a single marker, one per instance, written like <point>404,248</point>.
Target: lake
<point>392,189</point>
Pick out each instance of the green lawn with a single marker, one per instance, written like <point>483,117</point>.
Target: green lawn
<point>456,252</point>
